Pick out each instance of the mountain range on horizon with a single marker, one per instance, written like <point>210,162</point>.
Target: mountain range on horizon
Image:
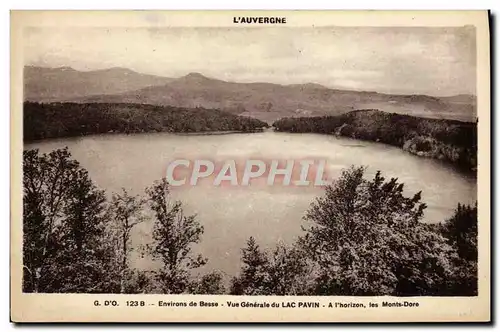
<point>265,101</point>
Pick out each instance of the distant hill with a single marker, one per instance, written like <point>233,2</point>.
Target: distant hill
<point>65,83</point>
<point>265,101</point>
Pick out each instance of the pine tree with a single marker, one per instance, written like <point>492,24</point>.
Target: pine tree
<point>251,280</point>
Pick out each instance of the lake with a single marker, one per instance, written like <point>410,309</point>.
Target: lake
<point>230,215</point>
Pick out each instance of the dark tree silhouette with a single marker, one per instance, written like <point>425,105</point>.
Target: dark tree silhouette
<point>461,232</point>
<point>63,227</point>
<point>52,120</point>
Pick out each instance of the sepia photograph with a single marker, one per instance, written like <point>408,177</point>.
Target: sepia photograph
<point>254,159</point>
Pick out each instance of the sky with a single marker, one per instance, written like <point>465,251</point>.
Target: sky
<point>404,60</point>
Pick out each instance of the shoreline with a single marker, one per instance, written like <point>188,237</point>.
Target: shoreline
<point>179,133</point>
<point>467,172</point>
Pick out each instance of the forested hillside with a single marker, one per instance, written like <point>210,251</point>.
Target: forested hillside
<point>52,120</point>
<point>449,140</point>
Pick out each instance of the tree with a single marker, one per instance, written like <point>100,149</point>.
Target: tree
<point>461,233</point>
<point>63,227</point>
<point>253,271</point>
<point>367,239</point>
<point>173,235</point>
<point>283,271</point>
<point>139,282</point>
<point>211,283</point>
<point>46,181</point>
<point>84,251</point>
<point>127,212</point>
<point>288,272</point>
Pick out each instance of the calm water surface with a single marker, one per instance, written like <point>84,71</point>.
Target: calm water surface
<point>270,214</point>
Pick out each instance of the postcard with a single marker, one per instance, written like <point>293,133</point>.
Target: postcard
<point>237,166</point>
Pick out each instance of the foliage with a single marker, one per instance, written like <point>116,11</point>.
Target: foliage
<point>136,281</point>
<point>284,271</point>
<point>253,271</point>
<point>461,233</point>
<point>288,272</point>
<point>367,239</point>
<point>174,234</point>
<point>51,120</point>
<point>211,284</point>
<point>126,211</point>
<point>64,227</point>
